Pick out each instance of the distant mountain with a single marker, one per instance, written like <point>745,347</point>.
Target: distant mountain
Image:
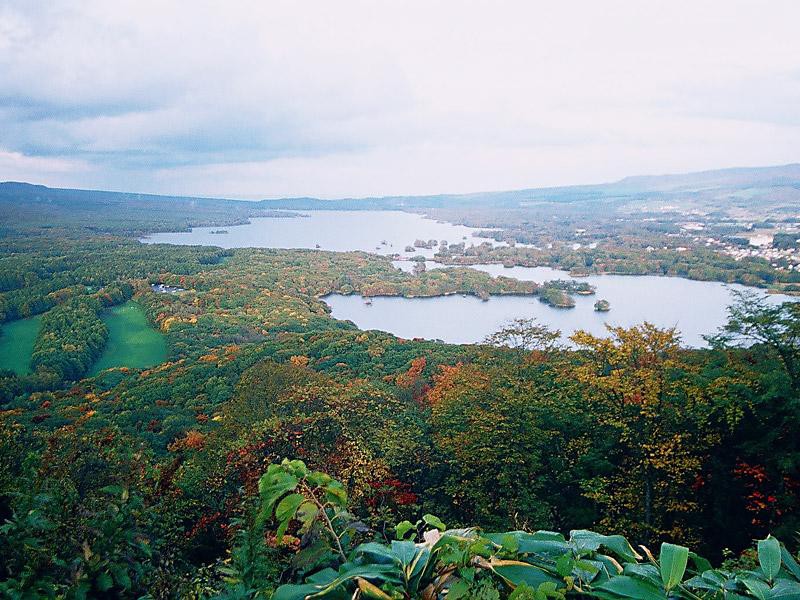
<point>32,193</point>
<point>785,175</point>
<point>131,212</point>
<point>28,206</point>
<point>629,188</point>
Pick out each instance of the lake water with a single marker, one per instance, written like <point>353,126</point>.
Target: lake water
<point>336,230</point>
<point>695,307</point>
<point>132,342</point>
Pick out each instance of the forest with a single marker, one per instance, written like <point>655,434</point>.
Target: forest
<point>280,453</point>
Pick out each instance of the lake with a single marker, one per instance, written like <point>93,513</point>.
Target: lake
<point>695,307</point>
<point>16,344</point>
<point>336,230</point>
<point>132,342</point>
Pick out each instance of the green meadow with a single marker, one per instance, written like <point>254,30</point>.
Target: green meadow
<point>16,344</point>
<point>132,342</point>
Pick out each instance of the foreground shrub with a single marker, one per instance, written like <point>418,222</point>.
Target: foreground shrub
<point>429,562</point>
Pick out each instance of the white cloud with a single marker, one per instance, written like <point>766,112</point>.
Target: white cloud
<point>365,97</point>
<point>30,168</point>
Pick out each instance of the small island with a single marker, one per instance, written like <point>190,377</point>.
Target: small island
<point>556,298</point>
<point>571,287</point>
<point>219,231</point>
<point>602,306</point>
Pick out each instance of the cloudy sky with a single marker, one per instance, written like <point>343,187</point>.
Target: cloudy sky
<point>346,98</point>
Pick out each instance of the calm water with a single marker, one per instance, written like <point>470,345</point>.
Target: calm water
<point>695,307</point>
<point>337,230</point>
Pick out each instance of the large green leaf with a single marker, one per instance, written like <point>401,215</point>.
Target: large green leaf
<point>416,572</point>
<point>412,559</point>
<point>785,589</point>
<point>402,528</point>
<point>371,591</point>
<point>336,494</point>
<point>791,563</point>
<point>541,542</point>
<point>306,513</point>
<point>347,573</point>
<point>644,571</point>
<point>434,521</point>
<point>591,541</point>
<point>756,587</point>
<point>324,577</point>
<point>710,580</point>
<point>515,572</point>
<point>295,592</point>
<point>628,587</point>
<point>405,551</point>
<point>701,565</point>
<point>376,553</point>
<point>769,557</point>
<point>272,486</point>
<point>610,566</point>
<point>673,561</point>
<point>288,506</point>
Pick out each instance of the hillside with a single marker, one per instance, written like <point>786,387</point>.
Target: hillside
<point>148,212</point>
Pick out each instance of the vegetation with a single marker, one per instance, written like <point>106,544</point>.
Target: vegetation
<point>466,563</point>
<point>132,342</point>
<point>83,212</point>
<point>556,298</point>
<point>16,344</point>
<point>70,339</point>
<point>277,452</point>
<point>632,257</point>
<point>602,305</point>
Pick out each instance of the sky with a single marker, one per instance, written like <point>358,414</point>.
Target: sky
<point>274,98</point>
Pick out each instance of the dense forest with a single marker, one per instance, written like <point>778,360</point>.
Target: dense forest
<point>282,453</point>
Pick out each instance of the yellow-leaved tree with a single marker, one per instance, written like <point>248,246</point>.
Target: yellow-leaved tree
<point>640,390</point>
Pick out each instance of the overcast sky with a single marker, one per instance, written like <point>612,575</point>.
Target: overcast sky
<point>339,98</point>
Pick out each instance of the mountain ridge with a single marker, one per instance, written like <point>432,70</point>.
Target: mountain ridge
<point>776,175</point>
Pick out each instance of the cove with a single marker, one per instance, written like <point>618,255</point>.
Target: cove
<point>132,342</point>
<point>696,308</point>
<point>16,344</point>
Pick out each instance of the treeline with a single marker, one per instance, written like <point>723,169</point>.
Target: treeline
<point>71,338</point>
<point>41,272</point>
<point>72,335</point>
<point>633,258</point>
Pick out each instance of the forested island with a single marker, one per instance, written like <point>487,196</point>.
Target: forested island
<point>278,452</point>
<point>602,305</point>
